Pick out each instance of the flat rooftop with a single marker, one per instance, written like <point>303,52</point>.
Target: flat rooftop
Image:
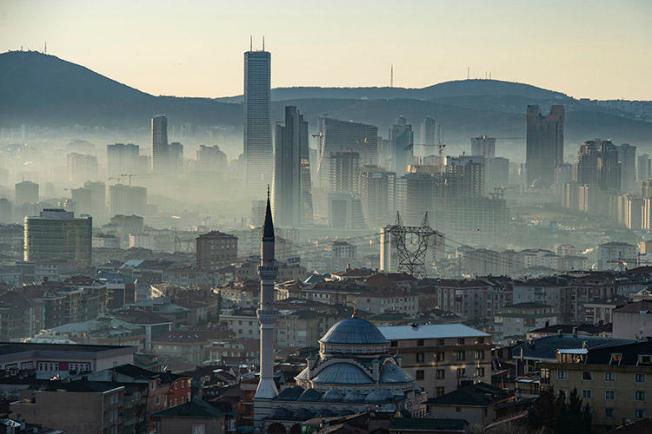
<point>8,348</point>
<point>430,331</point>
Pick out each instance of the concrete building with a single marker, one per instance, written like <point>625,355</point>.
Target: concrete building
<point>613,381</point>
<point>345,211</point>
<point>430,131</point>
<point>175,158</point>
<point>627,158</point>
<point>81,167</point>
<point>216,249</point>
<point>643,167</point>
<point>78,407</point>
<point>258,148</point>
<point>616,255</point>
<point>196,417</point>
<point>62,360</point>
<point>633,320</point>
<point>160,151</point>
<point>483,146</point>
<point>291,150</point>
<point>479,404</point>
<point>127,200</point>
<point>544,144</point>
<point>57,236</point>
<point>515,320</point>
<point>26,192</point>
<point>496,173</point>
<point>378,195</point>
<point>441,357</point>
<point>211,159</point>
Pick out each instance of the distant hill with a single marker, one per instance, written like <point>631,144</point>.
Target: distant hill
<point>39,89</point>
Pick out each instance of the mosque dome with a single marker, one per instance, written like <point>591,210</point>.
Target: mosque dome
<point>354,331</point>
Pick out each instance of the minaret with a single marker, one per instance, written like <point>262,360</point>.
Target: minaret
<point>267,315</point>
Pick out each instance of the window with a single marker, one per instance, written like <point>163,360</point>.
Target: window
<point>480,340</point>
<point>460,341</point>
<point>562,375</point>
<point>421,357</point>
<point>461,372</point>
<point>639,377</point>
<point>479,372</point>
<point>441,342</point>
<point>639,395</point>
<point>479,355</point>
<point>645,359</point>
<point>439,357</point>
<point>461,356</point>
<point>458,409</point>
<point>586,394</point>
<point>609,376</point>
<point>198,428</point>
<point>420,374</point>
<point>639,413</point>
<point>609,412</point>
<point>439,391</point>
<point>586,375</point>
<point>394,344</point>
<point>419,342</point>
<point>616,358</point>
<point>609,395</point>
<point>440,374</point>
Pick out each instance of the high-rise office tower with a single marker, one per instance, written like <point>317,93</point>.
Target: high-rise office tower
<point>175,157</point>
<point>345,211</point>
<point>627,158</point>
<point>644,168</point>
<point>122,158</point>
<point>291,150</point>
<point>430,132</point>
<point>258,150</point>
<point>81,201</point>
<point>544,144</point>
<point>496,173</point>
<point>57,236</point>
<point>26,192</point>
<point>378,195</point>
<point>344,136</point>
<point>483,146</point>
<point>160,144</point>
<point>610,167</point>
<point>345,171</point>
<point>401,139</point>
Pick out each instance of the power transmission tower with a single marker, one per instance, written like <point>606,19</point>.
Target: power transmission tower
<point>411,244</point>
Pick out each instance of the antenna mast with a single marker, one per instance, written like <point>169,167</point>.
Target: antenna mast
<point>391,76</point>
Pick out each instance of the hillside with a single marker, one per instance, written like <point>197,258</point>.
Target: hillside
<point>44,90</point>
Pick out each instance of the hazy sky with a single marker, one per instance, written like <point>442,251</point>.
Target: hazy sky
<point>595,49</point>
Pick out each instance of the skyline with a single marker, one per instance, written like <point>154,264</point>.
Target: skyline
<point>198,51</point>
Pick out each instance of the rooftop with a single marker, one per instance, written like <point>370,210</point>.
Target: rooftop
<point>477,395</point>
<point>193,409</point>
<point>353,330</point>
<point>430,331</point>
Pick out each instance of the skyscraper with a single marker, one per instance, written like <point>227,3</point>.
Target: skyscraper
<point>257,119</point>
<point>122,158</point>
<point>401,138</point>
<point>483,146</point>
<point>644,168</point>
<point>344,136</point>
<point>430,132</point>
<point>159,144</point>
<point>627,158</point>
<point>291,151</point>
<point>378,195</point>
<point>345,171</point>
<point>544,144</point>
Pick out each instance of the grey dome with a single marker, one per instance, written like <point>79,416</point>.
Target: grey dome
<point>380,395</point>
<point>342,373</point>
<point>353,331</point>
<point>392,373</point>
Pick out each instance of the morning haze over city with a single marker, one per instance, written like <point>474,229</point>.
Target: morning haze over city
<point>293,217</point>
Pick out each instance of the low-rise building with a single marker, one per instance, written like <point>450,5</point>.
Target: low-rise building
<point>633,320</point>
<point>515,320</point>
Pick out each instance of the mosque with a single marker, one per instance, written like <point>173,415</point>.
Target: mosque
<point>353,372</point>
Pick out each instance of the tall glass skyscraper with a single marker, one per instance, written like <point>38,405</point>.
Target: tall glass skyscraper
<point>160,144</point>
<point>258,151</point>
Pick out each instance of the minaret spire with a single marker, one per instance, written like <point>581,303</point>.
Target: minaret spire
<point>267,317</point>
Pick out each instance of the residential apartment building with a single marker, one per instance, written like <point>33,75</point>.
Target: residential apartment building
<point>442,357</point>
<point>615,382</point>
